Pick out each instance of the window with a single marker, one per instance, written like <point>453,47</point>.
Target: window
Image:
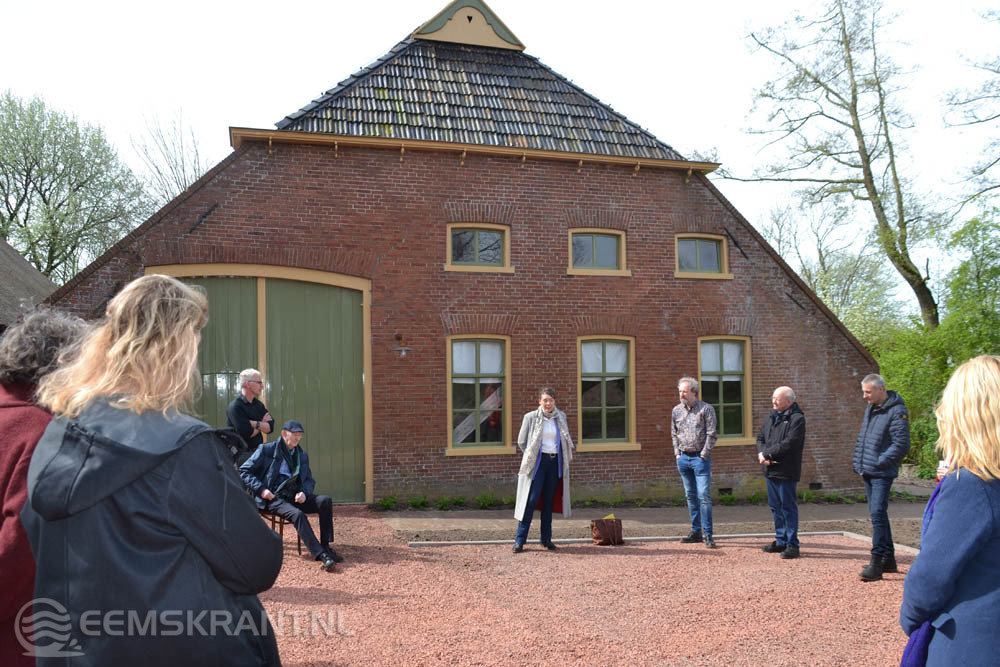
<point>478,247</point>
<point>702,256</point>
<point>607,387</point>
<point>478,404</point>
<point>724,363</point>
<point>597,252</point>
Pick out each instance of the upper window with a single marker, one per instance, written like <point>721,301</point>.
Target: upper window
<point>725,383</point>
<point>702,256</point>
<point>477,393</point>
<point>478,247</point>
<point>607,387</point>
<point>597,252</point>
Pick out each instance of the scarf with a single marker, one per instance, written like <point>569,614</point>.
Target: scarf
<point>291,486</point>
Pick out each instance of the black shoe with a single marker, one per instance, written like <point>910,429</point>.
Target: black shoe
<point>693,537</point>
<point>889,563</point>
<point>327,562</point>
<point>518,548</point>
<point>549,546</point>
<point>337,558</point>
<point>773,547</point>
<point>709,542</point>
<point>872,571</point>
<point>790,552</point>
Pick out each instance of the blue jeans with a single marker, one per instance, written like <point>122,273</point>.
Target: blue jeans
<point>696,473</point>
<point>543,485</point>
<point>877,490</point>
<point>781,500</point>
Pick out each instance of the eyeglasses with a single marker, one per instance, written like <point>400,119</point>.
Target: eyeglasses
<point>256,381</point>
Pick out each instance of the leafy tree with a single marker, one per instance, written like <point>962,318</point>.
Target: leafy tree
<point>67,197</point>
<point>171,156</point>
<point>832,108</point>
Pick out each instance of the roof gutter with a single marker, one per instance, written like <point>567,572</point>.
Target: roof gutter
<point>238,135</point>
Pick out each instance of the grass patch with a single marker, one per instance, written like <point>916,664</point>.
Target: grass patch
<point>727,499</point>
<point>756,497</point>
<point>806,496</point>
<point>485,501</point>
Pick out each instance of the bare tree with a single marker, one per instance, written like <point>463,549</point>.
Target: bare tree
<point>981,107</point>
<point>832,109</point>
<point>848,274</point>
<point>170,154</point>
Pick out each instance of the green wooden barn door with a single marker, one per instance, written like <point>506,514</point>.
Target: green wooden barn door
<point>228,343</point>
<point>315,363</point>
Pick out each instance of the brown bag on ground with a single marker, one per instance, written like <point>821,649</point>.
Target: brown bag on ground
<point>607,531</point>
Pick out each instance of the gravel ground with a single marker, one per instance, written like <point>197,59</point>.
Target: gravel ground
<point>645,603</point>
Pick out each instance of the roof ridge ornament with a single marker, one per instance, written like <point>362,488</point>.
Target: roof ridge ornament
<point>468,22</point>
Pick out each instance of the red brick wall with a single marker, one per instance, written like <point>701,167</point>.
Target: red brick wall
<point>366,213</point>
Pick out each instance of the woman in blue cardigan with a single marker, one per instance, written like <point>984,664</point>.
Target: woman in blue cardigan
<point>952,591</point>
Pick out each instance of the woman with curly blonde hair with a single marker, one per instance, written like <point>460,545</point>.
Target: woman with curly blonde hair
<point>951,598</point>
<point>135,509</point>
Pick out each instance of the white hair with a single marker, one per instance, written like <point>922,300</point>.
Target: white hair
<point>245,375</point>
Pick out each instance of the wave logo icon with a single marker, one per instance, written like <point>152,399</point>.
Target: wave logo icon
<point>44,632</point>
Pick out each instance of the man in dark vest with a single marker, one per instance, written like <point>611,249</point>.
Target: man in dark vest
<point>278,475</point>
<point>779,450</point>
<point>882,443</point>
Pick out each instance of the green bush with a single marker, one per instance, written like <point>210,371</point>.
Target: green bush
<point>806,496</point>
<point>443,503</point>
<point>756,497</point>
<point>508,501</point>
<point>727,499</point>
<point>387,503</point>
<point>485,500</point>
<point>458,501</point>
<point>417,502</point>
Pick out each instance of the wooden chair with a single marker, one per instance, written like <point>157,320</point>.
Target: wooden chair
<point>278,524</point>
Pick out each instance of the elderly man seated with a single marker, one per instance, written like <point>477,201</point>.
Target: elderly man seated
<point>278,475</point>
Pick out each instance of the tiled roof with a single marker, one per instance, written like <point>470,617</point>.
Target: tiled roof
<point>458,93</point>
<point>21,282</point>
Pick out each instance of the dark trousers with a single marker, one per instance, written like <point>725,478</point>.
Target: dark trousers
<point>783,503</point>
<point>543,486</point>
<point>877,490</point>
<point>296,515</point>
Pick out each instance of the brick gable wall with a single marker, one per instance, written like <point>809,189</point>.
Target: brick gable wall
<point>363,212</point>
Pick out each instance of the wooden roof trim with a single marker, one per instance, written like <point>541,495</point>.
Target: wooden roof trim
<point>437,29</point>
<point>238,135</point>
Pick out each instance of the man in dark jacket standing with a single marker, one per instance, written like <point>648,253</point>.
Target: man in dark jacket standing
<point>779,450</point>
<point>883,441</point>
<point>278,475</point>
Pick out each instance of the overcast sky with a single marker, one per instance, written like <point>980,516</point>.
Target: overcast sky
<point>682,70</point>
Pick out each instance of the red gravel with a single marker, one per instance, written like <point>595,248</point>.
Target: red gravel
<point>649,603</point>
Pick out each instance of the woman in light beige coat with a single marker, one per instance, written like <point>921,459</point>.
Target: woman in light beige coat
<point>543,480</point>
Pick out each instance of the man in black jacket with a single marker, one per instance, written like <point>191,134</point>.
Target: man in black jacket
<point>779,450</point>
<point>247,415</point>
<point>882,443</point>
<point>278,475</point>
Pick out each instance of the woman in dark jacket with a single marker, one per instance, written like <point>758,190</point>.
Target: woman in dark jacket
<point>148,549</point>
<point>952,592</point>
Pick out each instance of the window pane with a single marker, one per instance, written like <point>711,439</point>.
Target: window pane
<point>607,251</point>
<point>490,247</point>
<point>462,249</point>
<point>492,393</point>
<point>710,358</point>
<point>617,357</point>
<point>583,250</point>
<point>491,429</point>
<point>732,356</point>
<point>732,389</point>
<point>708,255</point>
<point>491,357</point>
<point>592,425</point>
<point>592,357</point>
<point>616,424</point>
<point>687,255</point>
<point>463,357</point>
<point>591,393</point>
<point>465,427</point>
<point>710,390</point>
<point>614,393</point>
<point>732,420</point>
<point>463,393</point>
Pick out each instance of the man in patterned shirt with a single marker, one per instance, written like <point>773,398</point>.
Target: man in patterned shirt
<point>692,427</point>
